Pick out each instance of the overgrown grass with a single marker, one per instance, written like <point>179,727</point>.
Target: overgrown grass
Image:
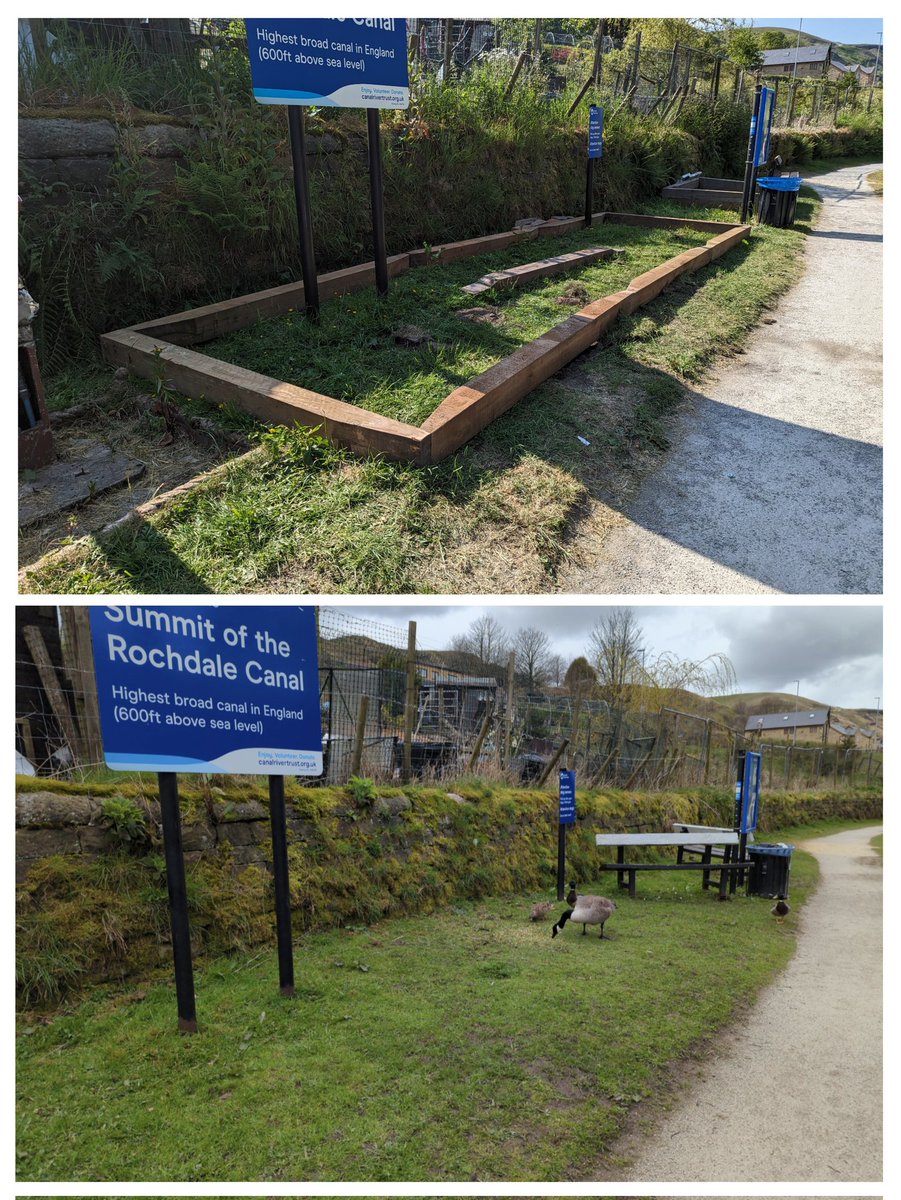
<point>500,516</point>
<point>463,1045</point>
<point>874,179</point>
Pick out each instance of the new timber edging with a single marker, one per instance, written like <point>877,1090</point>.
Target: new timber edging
<point>164,344</point>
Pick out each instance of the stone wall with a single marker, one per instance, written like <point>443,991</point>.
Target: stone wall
<point>81,153</point>
<point>50,823</point>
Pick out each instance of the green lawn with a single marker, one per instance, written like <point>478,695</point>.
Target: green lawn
<point>504,513</point>
<point>462,1045</point>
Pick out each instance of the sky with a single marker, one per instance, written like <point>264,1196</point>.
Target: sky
<point>856,30</point>
<point>833,651</point>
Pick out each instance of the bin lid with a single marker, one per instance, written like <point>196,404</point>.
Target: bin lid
<point>771,849</point>
<point>774,183</point>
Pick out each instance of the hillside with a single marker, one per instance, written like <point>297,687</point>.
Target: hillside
<point>736,709</point>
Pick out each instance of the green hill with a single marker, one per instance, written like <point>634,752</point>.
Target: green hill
<point>863,53</point>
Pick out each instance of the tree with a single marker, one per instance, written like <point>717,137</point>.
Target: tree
<point>617,652</point>
<point>486,638</point>
<point>744,49</point>
<point>580,678</point>
<point>532,648</point>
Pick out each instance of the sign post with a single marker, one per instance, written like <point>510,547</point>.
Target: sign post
<point>218,690</point>
<point>747,805</point>
<point>358,62</point>
<point>567,816</point>
<point>758,142</point>
<point>595,150</point>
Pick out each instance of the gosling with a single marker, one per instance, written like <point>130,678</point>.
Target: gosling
<point>590,910</point>
<point>541,911</point>
<point>780,910</point>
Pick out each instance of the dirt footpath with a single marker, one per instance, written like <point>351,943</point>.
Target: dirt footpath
<point>796,1095</point>
<point>774,481</point>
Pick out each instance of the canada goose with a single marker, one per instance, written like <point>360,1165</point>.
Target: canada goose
<point>541,910</point>
<point>590,910</point>
<point>780,910</point>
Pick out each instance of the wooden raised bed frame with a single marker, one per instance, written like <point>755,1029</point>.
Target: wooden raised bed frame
<point>165,345</point>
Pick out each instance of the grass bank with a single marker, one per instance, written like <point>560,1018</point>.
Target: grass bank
<point>462,1045</point>
<point>500,516</point>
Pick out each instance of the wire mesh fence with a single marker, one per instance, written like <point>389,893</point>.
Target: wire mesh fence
<point>393,709</point>
<point>648,79</point>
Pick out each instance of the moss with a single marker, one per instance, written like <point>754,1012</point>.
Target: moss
<point>81,920</point>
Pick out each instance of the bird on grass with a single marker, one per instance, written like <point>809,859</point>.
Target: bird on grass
<point>589,910</point>
<point>541,910</point>
<point>780,910</point>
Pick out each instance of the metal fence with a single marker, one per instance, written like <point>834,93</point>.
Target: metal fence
<point>393,709</point>
<point>647,79</point>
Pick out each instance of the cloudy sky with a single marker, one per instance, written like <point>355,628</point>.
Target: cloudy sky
<point>834,650</point>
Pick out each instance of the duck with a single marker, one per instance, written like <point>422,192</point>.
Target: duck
<point>590,910</point>
<point>541,910</point>
<point>780,910</point>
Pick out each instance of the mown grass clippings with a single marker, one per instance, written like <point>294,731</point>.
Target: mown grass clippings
<point>501,515</point>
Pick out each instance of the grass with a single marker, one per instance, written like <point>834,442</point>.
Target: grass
<point>500,516</point>
<point>876,843</point>
<point>353,356</point>
<point>874,179</point>
<point>462,1045</point>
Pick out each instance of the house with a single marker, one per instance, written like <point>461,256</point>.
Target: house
<point>801,62</point>
<point>808,725</point>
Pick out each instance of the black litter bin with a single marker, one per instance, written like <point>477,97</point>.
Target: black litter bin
<point>770,865</point>
<point>778,197</point>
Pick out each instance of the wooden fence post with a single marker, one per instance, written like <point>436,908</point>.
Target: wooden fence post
<point>508,716</point>
<point>448,35</point>
<point>410,702</point>
<point>34,639</point>
<point>547,770</point>
<point>483,733</point>
<point>359,734</point>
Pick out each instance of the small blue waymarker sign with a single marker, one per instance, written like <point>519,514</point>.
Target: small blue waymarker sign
<point>595,131</point>
<point>567,797</point>
<point>750,792</point>
<point>217,689</point>
<point>761,126</point>
<point>351,62</point>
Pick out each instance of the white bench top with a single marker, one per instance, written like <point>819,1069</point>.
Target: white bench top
<point>727,837</point>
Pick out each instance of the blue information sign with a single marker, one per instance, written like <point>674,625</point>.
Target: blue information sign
<point>567,797</point>
<point>595,131</point>
<point>217,689</point>
<point>750,792</point>
<point>761,128</point>
<point>351,62</point>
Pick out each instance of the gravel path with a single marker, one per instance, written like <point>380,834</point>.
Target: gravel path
<point>774,482</point>
<point>797,1094</point>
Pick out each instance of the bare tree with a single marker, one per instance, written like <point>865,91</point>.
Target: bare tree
<point>486,638</point>
<point>533,654</point>
<point>617,653</point>
<point>555,669</point>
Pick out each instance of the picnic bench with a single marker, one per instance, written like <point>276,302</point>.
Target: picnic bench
<point>697,839</point>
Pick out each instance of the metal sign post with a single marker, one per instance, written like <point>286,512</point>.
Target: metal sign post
<point>304,213</point>
<point>349,62</point>
<point>595,150</point>
<point>178,902</point>
<point>218,690</point>
<point>566,816</point>
<point>748,191</point>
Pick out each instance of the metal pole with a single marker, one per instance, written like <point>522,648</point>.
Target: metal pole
<point>178,902</point>
<point>589,192</point>
<point>377,195</point>
<point>282,885</point>
<point>748,191</point>
<point>561,859</point>
<point>304,217</point>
